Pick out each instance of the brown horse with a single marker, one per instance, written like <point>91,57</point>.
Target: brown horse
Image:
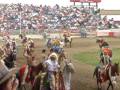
<point>30,76</point>
<point>106,75</point>
<point>44,83</point>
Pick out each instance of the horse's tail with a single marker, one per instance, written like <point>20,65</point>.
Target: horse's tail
<point>95,71</point>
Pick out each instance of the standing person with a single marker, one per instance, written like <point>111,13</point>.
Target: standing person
<point>8,56</point>
<point>1,52</point>
<point>29,54</point>
<point>62,44</point>
<point>30,57</point>
<point>102,43</point>
<point>14,49</point>
<point>7,78</point>
<point>107,54</point>
<point>52,67</point>
<point>43,55</point>
<point>82,27</point>
<point>31,43</point>
<point>24,40</point>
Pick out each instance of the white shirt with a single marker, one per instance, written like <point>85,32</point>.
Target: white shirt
<point>52,65</point>
<point>62,44</point>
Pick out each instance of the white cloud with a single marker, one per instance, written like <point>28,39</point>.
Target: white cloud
<point>110,4</point>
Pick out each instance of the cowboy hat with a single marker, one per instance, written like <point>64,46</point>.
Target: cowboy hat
<point>54,55</point>
<point>5,73</point>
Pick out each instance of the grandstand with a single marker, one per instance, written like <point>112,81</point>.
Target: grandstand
<point>30,19</point>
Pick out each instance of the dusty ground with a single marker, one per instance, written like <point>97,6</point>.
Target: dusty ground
<point>82,79</point>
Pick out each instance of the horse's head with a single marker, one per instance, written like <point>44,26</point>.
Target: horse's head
<point>116,68</point>
<point>69,67</point>
<point>62,54</point>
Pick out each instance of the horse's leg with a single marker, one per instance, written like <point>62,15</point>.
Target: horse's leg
<point>99,85</point>
<point>65,44</point>
<point>108,86</point>
<point>98,82</point>
<point>111,85</point>
<point>70,44</point>
<point>22,87</point>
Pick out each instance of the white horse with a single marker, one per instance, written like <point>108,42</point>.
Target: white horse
<point>67,73</point>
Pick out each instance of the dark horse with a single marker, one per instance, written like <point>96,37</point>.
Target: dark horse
<point>106,75</point>
<point>9,60</point>
<point>68,40</point>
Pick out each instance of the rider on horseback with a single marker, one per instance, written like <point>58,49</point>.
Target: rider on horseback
<point>8,56</point>
<point>43,55</point>
<point>14,48</point>
<point>56,42</point>
<point>29,54</point>
<point>105,59</point>
<point>66,34</point>
<point>30,57</point>
<point>107,54</point>
<point>102,43</point>
<point>31,43</point>
<point>52,52</point>
<point>67,38</point>
<point>52,68</point>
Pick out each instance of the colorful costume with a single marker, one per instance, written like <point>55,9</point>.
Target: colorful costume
<point>107,54</point>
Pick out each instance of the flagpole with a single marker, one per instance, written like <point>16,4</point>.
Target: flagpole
<point>20,22</point>
<point>20,10</point>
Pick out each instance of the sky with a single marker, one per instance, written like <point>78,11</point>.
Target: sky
<point>105,4</point>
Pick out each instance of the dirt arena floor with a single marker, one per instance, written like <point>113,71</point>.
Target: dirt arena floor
<point>83,77</point>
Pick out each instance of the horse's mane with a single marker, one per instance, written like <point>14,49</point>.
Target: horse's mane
<point>69,67</point>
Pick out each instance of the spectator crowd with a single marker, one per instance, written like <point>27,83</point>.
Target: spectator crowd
<point>30,18</point>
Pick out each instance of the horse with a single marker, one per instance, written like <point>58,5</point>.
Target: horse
<point>9,60</point>
<point>67,74</point>
<point>27,74</point>
<point>67,69</point>
<point>68,40</point>
<point>106,75</point>
<point>43,83</point>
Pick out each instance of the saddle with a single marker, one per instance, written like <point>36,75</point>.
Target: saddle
<point>103,72</point>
